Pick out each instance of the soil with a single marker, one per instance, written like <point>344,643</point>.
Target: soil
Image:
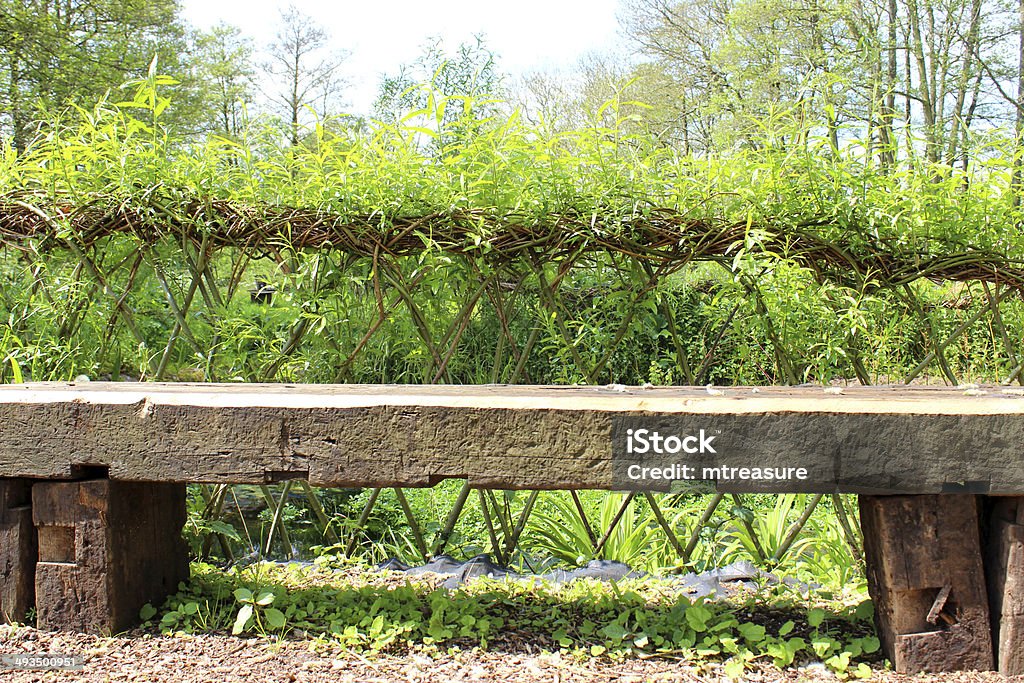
<point>146,656</point>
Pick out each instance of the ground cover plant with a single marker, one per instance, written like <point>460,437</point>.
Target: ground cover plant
<point>374,612</point>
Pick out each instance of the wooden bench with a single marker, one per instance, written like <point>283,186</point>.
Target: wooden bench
<point>92,480</point>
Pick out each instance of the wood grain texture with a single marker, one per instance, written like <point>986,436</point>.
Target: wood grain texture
<point>1005,568</point>
<point>919,549</point>
<point>105,549</point>
<point>17,550</point>
<point>865,440</point>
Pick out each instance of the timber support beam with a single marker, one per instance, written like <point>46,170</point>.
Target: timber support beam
<point>17,550</point>
<point>1005,569</point>
<point>89,554</point>
<point>926,578</point>
<point>946,574</point>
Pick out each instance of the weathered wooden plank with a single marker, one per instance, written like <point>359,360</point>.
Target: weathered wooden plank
<point>17,550</point>
<point>927,580</point>
<point>1005,568</point>
<point>106,548</point>
<point>871,440</point>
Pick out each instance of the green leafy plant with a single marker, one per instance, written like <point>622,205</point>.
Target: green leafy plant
<point>762,535</point>
<point>368,611</point>
<point>257,612</point>
<point>561,532</point>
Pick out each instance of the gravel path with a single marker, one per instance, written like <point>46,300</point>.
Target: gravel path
<point>142,656</point>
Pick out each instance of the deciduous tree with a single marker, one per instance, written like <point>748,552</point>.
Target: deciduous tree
<point>304,73</point>
<point>55,51</point>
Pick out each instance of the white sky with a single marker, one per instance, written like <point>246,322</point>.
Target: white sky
<point>383,34</point>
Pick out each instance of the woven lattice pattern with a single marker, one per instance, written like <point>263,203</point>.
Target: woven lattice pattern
<point>661,237</point>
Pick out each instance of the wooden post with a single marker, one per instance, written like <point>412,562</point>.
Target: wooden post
<point>106,548</point>
<point>17,550</point>
<point>1005,565</point>
<point>927,579</point>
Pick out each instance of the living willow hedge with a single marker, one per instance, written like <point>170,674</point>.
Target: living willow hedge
<point>492,250</point>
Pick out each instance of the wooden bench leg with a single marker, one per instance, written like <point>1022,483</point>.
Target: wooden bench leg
<point>17,550</point>
<point>106,548</point>
<point>1005,564</point>
<point>927,578</point>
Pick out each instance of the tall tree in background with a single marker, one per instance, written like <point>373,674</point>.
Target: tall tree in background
<point>924,71</point>
<point>55,51</point>
<point>304,72</point>
<point>646,98</point>
<point>222,65</point>
<point>682,41</point>
<point>551,98</point>
<point>737,64</point>
<point>1018,127</point>
<point>578,99</point>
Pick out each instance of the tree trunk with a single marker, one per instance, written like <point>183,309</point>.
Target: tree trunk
<point>18,123</point>
<point>295,100</point>
<point>1015,189</point>
<point>926,84</point>
<point>964,84</point>
<point>887,135</point>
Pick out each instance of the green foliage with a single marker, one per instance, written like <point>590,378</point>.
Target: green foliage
<point>223,69</point>
<point>766,530</point>
<point>510,168</point>
<point>199,525</point>
<point>776,72</point>
<point>559,531</point>
<point>820,554</point>
<point>830,559</point>
<point>753,312</point>
<point>256,611</point>
<point>368,612</point>
<point>466,82</point>
<point>53,54</point>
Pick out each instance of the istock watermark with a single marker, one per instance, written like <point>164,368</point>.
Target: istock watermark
<point>651,441</point>
<point>666,452</point>
<point>768,451</point>
<point>678,472</point>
